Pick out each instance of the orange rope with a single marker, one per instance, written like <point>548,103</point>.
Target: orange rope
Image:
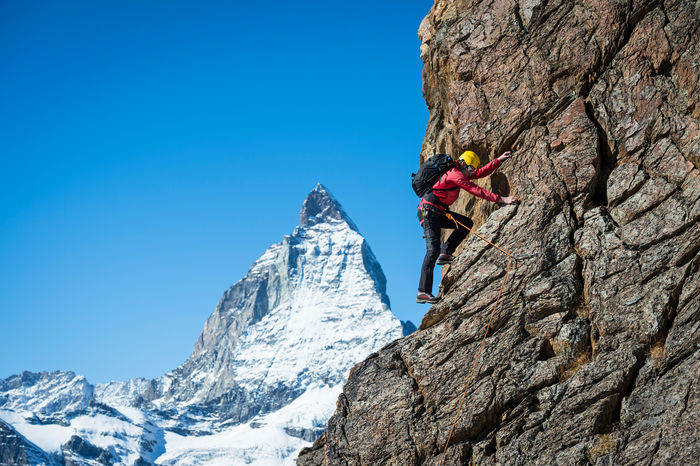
<point>483,341</point>
<point>449,216</point>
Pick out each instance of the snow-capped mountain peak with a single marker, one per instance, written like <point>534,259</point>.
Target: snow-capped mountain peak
<point>267,366</point>
<point>321,207</point>
<point>308,308</point>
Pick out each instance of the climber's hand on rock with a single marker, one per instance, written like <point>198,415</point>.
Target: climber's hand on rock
<point>505,156</point>
<point>509,200</point>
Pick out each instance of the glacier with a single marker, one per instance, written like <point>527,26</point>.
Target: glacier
<point>261,381</point>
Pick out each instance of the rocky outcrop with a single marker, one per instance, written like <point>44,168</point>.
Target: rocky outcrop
<point>593,353</point>
<point>15,449</point>
<point>78,451</point>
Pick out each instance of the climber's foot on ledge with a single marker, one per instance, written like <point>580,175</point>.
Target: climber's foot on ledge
<point>445,259</point>
<point>426,298</point>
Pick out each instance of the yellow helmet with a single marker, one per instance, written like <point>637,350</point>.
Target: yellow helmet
<point>470,158</point>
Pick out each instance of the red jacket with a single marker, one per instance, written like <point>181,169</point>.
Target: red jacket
<point>446,189</point>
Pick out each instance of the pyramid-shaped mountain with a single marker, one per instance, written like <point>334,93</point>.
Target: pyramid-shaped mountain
<point>263,376</point>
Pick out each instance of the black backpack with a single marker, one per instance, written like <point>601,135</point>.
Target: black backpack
<point>429,172</point>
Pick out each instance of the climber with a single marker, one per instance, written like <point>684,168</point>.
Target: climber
<point>433,207</point>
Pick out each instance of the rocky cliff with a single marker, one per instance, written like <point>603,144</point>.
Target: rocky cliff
<point>15,449</point>
<point>594,350</point>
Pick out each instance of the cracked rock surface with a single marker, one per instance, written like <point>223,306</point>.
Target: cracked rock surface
<point>593,353</point>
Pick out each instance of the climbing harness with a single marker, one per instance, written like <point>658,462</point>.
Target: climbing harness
<point>483,341</point>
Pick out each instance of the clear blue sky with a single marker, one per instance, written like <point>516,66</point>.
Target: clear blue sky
<point>151,151</point>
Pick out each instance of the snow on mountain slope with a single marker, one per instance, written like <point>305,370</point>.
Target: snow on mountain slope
<point>263,376</point>
<point>16,449</point>
<point>293,319</point>
<point>109,436</point>
<point>333,317</point>
<point>45,393</point>
<point>271,440</point>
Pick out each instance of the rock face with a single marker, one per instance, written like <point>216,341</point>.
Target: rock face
<point>15,449</point>
<point>594,349</point>
<point>76,451</point>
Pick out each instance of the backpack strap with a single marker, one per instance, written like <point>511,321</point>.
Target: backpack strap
<point>432,199</point>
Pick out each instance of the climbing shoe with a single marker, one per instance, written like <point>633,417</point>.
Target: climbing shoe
<point>426,298</point>
<point>445,259</point>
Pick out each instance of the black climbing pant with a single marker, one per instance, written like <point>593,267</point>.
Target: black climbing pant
<point>433,222</point>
